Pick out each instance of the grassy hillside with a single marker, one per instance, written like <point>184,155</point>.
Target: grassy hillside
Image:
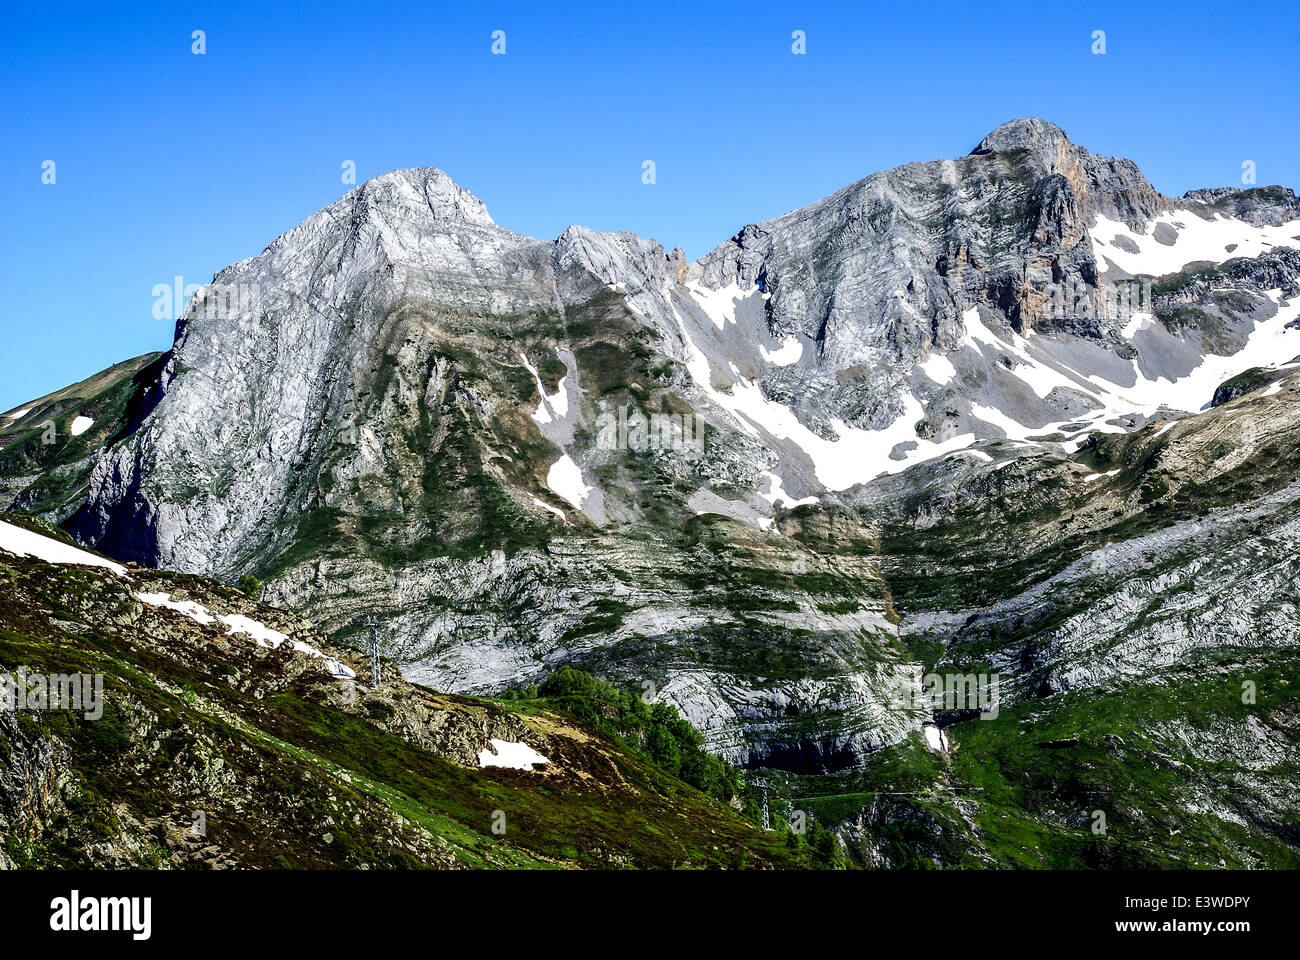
<point>43,467</point>
<point>289,767</point>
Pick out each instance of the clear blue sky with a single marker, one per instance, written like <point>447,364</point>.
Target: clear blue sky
<point>170,163</point>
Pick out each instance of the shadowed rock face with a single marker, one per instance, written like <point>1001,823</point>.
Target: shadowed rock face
<point>404,409</point>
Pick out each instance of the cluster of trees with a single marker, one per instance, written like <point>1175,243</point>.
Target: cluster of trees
<point>654,730</point>
<point>818,843</point>
<point>657,732</point>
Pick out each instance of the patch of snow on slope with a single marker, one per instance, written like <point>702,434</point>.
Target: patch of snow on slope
<point>1137,322</point>
<point>720,304</point>
<point>1191,392</point>
<point>512,756</point>
<point>978,333</point>
<point>565,478</point>
<point>237,623</point>
<point>24,543</point>
<point>549,408</point>
<point>789,352</point>
<point>19,414</point>
<point>776,491</point>
<point>1040,377</point>
<point>855,456</point>
<point>1198,239</point>
<point>938,368</point>
<point>1267,341</point>
<point>80,425</point>
<point>191,609</point>
<point>546,506</point>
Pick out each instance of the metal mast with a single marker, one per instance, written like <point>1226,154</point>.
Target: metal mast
<point>762,784</point>
<point>373,624</point>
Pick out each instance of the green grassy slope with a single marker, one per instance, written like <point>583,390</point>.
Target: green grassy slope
<point>292,768</point>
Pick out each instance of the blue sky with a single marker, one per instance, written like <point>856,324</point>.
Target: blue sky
<point>169,163</point>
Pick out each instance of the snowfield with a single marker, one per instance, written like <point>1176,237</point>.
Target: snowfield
<point>1195,240</point>
<point>854,457</point>
<point>237,623</point>
<point>565,478</point>
<point>1121,393</point>
<point>24,543</point>
<point>512,756</point>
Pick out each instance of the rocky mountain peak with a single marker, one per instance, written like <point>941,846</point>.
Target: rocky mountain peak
<point>417,412</point>
<point>445,199</point>
<point>1042,148</point>
<point>1031,133</point>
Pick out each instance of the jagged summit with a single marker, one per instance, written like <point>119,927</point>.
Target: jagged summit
<point>445,199</point>
<point>899,419</point>
<point>411,409</point>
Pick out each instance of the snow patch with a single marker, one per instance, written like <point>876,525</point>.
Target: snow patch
<point>512,756</point>
<point>854,456</point>
<point>565,478</point>
<point>1198,239</point>
<point>549,409</point>
<point>237,623</point>
<point>546,506</point>
<point>80,425</point>
<point>789,352</point>
<point>24,543</point>
<point>776,491</point>
<point>1040,377</point>
<point>1268,340</point>
<point>720,304</point>
<point>938,368</point>
<point>935,738</point>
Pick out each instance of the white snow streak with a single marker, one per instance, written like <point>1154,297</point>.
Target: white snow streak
<point>513,756</point>
<point>565,478</point>
<point>237,623</point>
<point>24,543</point>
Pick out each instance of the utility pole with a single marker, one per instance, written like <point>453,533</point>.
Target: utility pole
<point>762,784</point>
<point>373,624</point>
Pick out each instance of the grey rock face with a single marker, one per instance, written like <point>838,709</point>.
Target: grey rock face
<point>1261,206</point>
<point>255,395</point>
<point>881,271</point>
<point>401,406</point>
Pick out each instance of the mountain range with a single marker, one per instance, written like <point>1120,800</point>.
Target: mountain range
<point>1015,416</point>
